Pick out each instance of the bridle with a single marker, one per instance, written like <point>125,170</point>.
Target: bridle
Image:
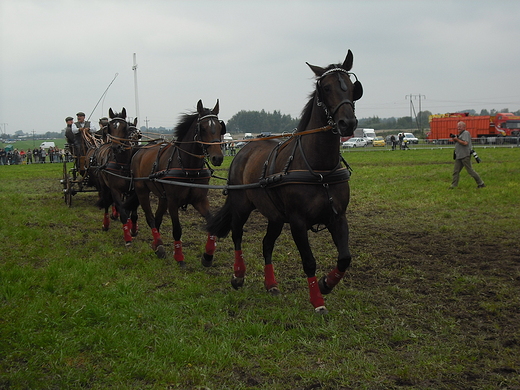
<point>133,132</point>
<point>331,111</point>
<point>200,119</point>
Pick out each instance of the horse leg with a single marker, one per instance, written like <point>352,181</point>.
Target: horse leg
<point>299,233</point>
<point>135,228</point>
<point>273,232</point>
<point>178,255</point>
<point>115,213</point>
<point>340,232</point>
<point>237,232</point>
<point>124,218</point>
<point>106,220</point>
<point>211,242</point>
<point>144,200</point>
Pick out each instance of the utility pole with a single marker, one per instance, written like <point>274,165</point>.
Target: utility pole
<point>146,121</point>
<point>4,125</point>
<point>417,117</point>
<point>134,68</point>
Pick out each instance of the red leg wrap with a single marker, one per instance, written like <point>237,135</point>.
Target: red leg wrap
<point>314,292</point>
<point>334,277</point>
<point>239,266</point>
<point>106,221</point>
<point>269,279</point>
<point>135,228</point>
<point>115,214</point>
<point>126,231</point>
<point>156,237</point>
<point>177,254</point>
<point>211,244</point>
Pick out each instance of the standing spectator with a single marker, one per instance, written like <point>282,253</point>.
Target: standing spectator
<point>36,155</point>
<point>462,156</point>
<point>29,156</point>
<point>22,156</point>
<point>51,155</point>
<point>43,155</point>
<point>3,156</point>
<point>394,141</point>
<point>401,138</point>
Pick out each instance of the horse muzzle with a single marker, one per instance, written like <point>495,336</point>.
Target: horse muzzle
<point>346,127</point>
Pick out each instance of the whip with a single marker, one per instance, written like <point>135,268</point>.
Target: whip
<point>102,96</point>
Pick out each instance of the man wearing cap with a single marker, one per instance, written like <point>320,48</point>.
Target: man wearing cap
<point>81,124</point>
<point>68,132</point>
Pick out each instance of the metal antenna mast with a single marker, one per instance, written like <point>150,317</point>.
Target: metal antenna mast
<point>134,68</point>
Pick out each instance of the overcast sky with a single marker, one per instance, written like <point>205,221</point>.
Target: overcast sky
<point>58,57</point>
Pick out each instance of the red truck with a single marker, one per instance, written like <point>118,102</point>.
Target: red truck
<point>499,125</point>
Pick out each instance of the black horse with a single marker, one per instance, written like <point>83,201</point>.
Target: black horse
<point>198,136</point>
<point>302,181</point>
<point>110,166</point>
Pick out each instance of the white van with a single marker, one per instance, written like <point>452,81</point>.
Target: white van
<point>47,145</point>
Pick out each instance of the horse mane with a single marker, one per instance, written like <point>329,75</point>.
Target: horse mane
<point>184,124</point>
<point>307,110</point>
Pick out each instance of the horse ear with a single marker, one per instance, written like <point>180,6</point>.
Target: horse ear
<point>200,107</point>
<point>318,70</point>
<point>111,113</point>
<point>358,91</point>
<point>347,64</point>
<point>216,108</point>
<point>135,121</point>
<point>223,126</point>
<point>123,112</point>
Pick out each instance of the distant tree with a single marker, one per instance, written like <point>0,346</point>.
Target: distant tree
<point>260,121</point>
<point>484,112</point>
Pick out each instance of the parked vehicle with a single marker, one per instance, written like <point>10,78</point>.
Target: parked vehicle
<point>355,142</point>
<point>410,138</point>
<point>367,134</point>
<point>499,125</point>
<point>378,141</point>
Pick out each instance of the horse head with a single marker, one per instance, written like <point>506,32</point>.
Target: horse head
<point>337,94</point>
<point>210,131</point>
<point>119,131</point>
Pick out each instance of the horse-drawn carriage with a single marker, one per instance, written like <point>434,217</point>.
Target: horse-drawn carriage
<point>76,178</point>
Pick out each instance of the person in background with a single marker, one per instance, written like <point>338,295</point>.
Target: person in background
<point>69,136</point>
<point>3,156</point>
<point>29,155</point>
<point>36,155</point>
<point>81,123</point>
<point>462,156</point>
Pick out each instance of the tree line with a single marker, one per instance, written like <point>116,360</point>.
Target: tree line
<point>257,122</point>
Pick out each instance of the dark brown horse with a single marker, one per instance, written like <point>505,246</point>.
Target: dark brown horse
<point>110,165</point>
<point>301,182</point>
<point>197,136</point>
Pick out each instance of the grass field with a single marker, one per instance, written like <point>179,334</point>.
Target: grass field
<point>432,300</point>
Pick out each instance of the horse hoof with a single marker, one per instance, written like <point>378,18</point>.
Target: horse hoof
<point>237,282</point>
<point>104,228</point>
<point>324,289</point>
<point>160,252</point>
<point>274,291</point>
<point>322,310</point>
<point>128,244</point>
<point>134,234</point>
<point>182,264</point>
<point>207,260</point>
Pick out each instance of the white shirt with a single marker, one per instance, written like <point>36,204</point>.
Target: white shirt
<point>75,129</point>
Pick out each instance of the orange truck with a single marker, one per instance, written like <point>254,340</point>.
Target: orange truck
<point>499,125</point>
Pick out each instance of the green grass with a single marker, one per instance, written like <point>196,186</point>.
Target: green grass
<point>430,302</point>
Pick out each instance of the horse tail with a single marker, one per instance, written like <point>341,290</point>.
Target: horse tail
<point>220,223</point>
